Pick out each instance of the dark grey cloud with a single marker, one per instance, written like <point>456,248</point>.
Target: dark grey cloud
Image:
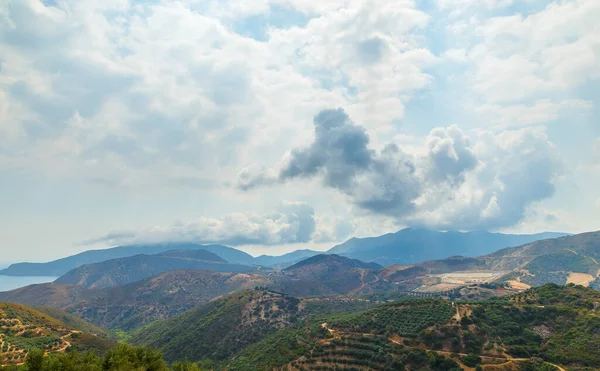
<point>340,150</point>
<point>380,182</point>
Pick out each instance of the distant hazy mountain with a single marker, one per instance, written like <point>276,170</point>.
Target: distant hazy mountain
<point>413,245</point>
<point>62,266</point>
<point>408,246</point>
<point>117,272</point>
<point>285,260</point>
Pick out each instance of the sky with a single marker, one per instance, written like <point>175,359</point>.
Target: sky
<point>275,125</point>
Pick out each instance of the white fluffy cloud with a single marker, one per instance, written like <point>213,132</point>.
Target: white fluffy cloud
<point>461,5</point>
<point>516,169</point>
<point>524,69</point>
<point>294,222</point>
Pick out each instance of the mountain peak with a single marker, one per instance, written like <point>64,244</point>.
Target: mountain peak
<point>326,266</point>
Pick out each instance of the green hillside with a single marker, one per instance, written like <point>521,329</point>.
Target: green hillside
<point>221,328</point>
<point>74,322</point>
<point>23,329</point>
<point>547,328</point>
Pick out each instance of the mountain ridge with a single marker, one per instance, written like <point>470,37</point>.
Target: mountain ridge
<point>61,266</point>
<point>121,271</point>
<point>415,245</point>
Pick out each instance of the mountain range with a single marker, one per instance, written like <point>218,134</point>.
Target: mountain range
<point>129,305</point>
<point>414,245</point>
<point>407,246</point>
<point>133,305</point>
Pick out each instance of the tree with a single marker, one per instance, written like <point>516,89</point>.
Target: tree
<point>35,360</point>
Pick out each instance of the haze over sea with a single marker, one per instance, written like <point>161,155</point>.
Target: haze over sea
<point>8,283</point>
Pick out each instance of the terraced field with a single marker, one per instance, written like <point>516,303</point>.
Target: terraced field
<point>23,329</point>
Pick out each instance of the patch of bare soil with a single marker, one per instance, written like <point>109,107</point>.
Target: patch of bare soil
<point>518,285</point>
<point>580,279</point>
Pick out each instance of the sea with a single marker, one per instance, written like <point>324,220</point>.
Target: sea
<point>8,283</point>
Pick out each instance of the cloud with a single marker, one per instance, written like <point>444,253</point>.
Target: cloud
<point>294,222</point>
<point>107,91</point>
<point>540,111</point>
<point>333,229</point>
<point>340,154</point>
<point>449,154</point>
<point>371,53</point>
<point>462,5</point>
<point>451,183</point>
<point>516,170</point>
<point>339,150</point>
<point>530,57</point>
<point>523,63</point>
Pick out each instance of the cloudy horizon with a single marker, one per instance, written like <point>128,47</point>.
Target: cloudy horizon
<point>277,125</point>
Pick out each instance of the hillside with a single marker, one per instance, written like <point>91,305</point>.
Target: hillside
<point>136,304</point>
<point>221,328</point>
<point>117,272</point>
<point>571,259</point>
<point>62,266</point>
<point>339,274</point>
<point>74,322</point>
<point>412,245</point>
<point>547,328</point>
<point>325,264</point>
<point>23,329</point>
<point>46,294</point>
